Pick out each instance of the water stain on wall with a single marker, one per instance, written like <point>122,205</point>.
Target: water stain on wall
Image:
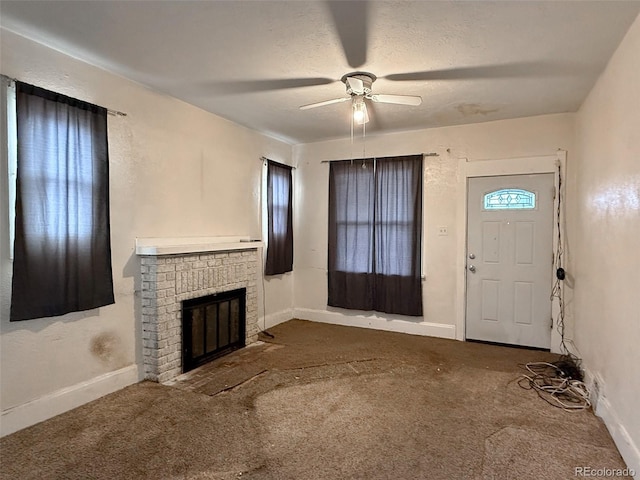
<point>107,347</point>
<point>469,109</point>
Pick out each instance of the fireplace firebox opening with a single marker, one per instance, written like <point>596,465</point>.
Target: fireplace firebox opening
<point>212,326</point>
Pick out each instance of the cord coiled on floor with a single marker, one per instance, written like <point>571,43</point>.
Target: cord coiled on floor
<point>555,386</point>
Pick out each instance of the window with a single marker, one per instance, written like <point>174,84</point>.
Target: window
<point>62,255</point>
<point>279,219</point>
<point>510,199</point>
<point>375,225</point>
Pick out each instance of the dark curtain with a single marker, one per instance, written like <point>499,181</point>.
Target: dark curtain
<point>62,253</point>
<point>280,219</point>
<point>375,230</point>
<point>351,209</point>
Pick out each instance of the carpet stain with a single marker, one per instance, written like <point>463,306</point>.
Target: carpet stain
<point>239,385</point>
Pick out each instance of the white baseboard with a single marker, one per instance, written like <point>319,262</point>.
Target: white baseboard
<point>27,414</point>
<point>626,446</point>
<point>603,408</point>
<point>377,323</point>
<point>276,318</point>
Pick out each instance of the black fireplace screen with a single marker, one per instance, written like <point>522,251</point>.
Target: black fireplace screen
<point>212,326</point>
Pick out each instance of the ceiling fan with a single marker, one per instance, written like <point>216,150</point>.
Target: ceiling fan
<point>358,86</point>
<point>350,19</point>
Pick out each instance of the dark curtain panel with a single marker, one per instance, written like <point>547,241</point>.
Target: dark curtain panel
<point>351,204</point>
<point>375,229</point>
<point>280,219</point>
<point>398,234</point>
<point>62,253</point>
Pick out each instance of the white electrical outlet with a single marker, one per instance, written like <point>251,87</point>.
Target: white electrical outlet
<point>443,231</point>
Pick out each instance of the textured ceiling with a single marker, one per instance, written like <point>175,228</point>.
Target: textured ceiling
<point>256,62</point>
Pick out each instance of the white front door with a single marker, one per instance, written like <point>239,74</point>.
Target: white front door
<point>509,259</point>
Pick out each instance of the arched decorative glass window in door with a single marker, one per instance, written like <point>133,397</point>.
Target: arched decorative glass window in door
<point>509,199</point>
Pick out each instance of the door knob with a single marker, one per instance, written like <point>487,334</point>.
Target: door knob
<point>472,268</point>
<point>472,256</point>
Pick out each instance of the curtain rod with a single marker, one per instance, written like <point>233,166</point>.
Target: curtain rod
<point>431,154</point>
<point>115,113</point>
<point>265,159</point>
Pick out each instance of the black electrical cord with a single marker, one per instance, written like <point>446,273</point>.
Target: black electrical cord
<point>559,383</point>
<point>557,290</point>
<point>568,362</point>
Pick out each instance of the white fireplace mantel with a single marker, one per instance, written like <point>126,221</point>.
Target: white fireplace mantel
<point>182,245</point>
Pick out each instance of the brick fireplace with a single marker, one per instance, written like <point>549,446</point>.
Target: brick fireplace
<point>175,270</point>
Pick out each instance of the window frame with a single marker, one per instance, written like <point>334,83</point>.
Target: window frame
<point>499,207</point>
<point>12,158</point>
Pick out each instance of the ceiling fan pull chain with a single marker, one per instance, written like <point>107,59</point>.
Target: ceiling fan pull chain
<point>351,123</point>
<point>364,143</point>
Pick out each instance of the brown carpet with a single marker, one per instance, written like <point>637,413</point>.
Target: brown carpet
<point>323,402</point>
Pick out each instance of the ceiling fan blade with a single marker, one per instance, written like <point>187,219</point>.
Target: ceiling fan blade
<point>397,99</point>
<point>507,70</point>
<point>356,85</point>
<point>351,20</point>
<point>326,102</point>
<point>248,86</point>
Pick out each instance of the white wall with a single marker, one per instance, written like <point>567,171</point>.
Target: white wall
<point>527,137</point>
<point>175,170</point>
<point>606,245</point>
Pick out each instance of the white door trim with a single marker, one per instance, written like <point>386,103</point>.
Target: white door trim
<point>488,168</point>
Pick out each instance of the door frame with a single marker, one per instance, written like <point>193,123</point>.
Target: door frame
<point>491,168</point>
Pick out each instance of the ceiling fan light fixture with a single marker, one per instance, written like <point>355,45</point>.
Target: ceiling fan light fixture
<point>358,86</point>
<point>360,115</point>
